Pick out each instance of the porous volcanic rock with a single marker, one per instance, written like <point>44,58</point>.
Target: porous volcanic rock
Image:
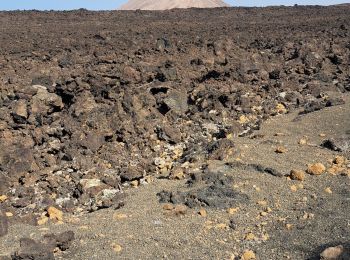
<point>90,101</point>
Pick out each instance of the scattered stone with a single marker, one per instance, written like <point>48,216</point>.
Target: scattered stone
<point>256,188</point>
<point>176,101</point>
<point>316,169</point>
<point>55,214</point>
<point>132,173</point>
<point>293,188</point>
<point>279,134</point>
<point>250,237</point>
<point>20,112</point>
<point>263,213</point>
<point>134,183</point>
<point>281,109</point>
<point>87,184</point>
<point>308,216</point>
<point>203,212</point>
<point>118,216</point>
<point>347,173</point>
<point>303,141</point>
<point>336,169</point>
<point>117,248</point>
<point>248,255</point>
<point>332,253</point>
<point>262,203</point>
<point>281,149</point>
<point>221,226</point>
<point>243,119</point>
<point>340,160</point>
<point>297,175</point>
<point>168,206</point>
<point>177,173</point>
<point>289,226</point>
<point>180,209</point>
<point>44,102</point>
<point>328,190</point>
<point>3,198</point>
<point>232,211</point>
<point>43,220</point>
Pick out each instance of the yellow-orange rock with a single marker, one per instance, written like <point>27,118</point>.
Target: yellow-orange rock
<point>281,149</point>
<point>248,255</point>
<point>340,160</point>
<point>203,212</point>
<point>55,214</point>
<point>316,169</point>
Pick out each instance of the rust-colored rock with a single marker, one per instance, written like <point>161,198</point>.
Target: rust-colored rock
<point>297,175</point>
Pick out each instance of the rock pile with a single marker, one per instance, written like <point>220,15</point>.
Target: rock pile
<point>87,106</point>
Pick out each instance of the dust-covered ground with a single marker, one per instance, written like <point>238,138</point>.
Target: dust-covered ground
<point>183,134</point>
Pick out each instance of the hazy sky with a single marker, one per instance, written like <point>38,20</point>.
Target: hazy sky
<point>113,4</point>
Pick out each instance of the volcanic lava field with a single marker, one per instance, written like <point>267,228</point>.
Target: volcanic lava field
<point>183,134</point>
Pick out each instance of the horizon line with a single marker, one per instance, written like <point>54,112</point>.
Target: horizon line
<point>111,10</point>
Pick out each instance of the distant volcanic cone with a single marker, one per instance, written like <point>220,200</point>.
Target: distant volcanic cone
<point>170,4</point>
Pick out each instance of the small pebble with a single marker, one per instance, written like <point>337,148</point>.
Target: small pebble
<point>134,183</point>
<point>280,134</point>
<point>249,237</point>
<point>248,255</point>
<point>118,216</point>
<point>303,141</point>
<point>9,214</point>
<point>281,149</point>
<point>222,226</point>
<point>180,209</point>
<point>328,190</point>
<point>262,202</point>
<point>243,119</point>
<point>281,109</point>
<point>168,206</point>
<point>203,212</point>
<point>117,248</point>
<point>340,160</point>
<point>232,211</point>
<point>289,226</point>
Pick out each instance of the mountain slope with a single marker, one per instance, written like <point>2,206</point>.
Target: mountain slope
<point>170,4</point>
